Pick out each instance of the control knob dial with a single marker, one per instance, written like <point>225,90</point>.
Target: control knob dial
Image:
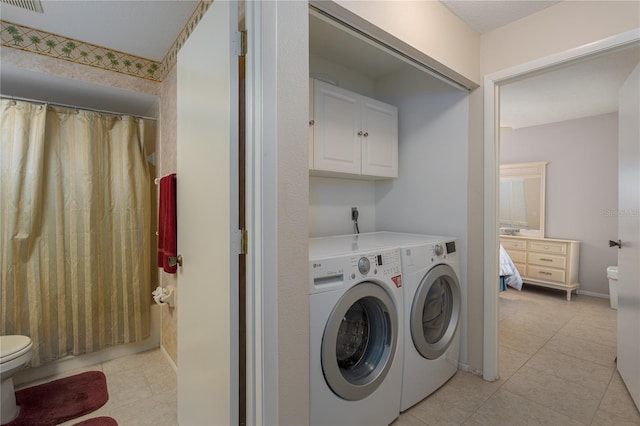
<point>364,265</point>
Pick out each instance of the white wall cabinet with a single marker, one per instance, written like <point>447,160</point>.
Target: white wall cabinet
<point>351,135</point>
<point>545,262</point>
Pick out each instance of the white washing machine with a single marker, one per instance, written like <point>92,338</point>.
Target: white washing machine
<point>356,331</point>
<point>432,309</point>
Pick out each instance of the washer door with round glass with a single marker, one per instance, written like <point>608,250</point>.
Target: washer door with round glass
<point>359,341</point>
<point>435,312</point>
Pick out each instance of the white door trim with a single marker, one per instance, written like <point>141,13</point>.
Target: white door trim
<point>261,210</point>
<point>492,84</point>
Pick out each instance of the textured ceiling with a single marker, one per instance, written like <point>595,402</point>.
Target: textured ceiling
<point>580,90</point>
<point>487,15</point>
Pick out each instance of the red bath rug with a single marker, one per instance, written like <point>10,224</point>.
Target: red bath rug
<point>64,399</point>
<point>98,421</point>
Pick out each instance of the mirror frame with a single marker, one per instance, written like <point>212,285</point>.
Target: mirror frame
<point>528,170</point>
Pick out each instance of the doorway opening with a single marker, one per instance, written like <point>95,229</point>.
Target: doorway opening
<point>492,86</point>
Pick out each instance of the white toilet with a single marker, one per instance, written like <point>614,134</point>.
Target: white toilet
<point>15,353</point>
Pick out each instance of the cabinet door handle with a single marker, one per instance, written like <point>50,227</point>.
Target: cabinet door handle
<point>360,133</point>
<point>312,122</point>
<point>366,134</point>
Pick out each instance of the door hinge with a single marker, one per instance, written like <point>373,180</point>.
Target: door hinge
<point>240,43</point>
<point>240,241</point>
<point>244,241</point>
<point>243,43</point>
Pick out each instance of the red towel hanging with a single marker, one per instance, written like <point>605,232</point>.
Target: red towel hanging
<point>167,225</point>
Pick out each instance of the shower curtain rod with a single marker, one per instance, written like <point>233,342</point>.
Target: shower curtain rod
<point>18,98</point>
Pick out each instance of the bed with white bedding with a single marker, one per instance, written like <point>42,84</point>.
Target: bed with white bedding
<point>508,272</point>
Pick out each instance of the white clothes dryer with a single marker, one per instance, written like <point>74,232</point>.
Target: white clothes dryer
<point>356,331</point>
<point>433,307</point>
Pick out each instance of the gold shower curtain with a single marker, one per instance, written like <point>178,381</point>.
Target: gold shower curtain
<point>74,229</point>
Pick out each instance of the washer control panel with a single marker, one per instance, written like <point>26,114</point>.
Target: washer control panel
<point>382,264</point>
<point>330,273</point>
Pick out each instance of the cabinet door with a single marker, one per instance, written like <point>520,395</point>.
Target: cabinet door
<point>380,138</point>
<point>336,143</point>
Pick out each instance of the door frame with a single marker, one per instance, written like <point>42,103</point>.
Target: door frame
<point>261,212</point>
<point>492,83</point>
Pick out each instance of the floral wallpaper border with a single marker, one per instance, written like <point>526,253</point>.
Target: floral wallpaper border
<point>67,49</point>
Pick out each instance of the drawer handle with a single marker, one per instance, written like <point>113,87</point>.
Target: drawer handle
<point>546,260</point>
<point>544,273</point>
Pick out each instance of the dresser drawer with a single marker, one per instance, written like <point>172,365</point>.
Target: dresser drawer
<point>540,273</point>
<point>550,260</point>
<point>518,256</point>
<point>522,268</point>
<point>514,245</point>
<point>548,247</point>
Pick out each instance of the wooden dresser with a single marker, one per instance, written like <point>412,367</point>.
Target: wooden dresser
<point>545,262</point>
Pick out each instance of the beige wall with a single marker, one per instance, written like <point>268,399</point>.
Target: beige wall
<point>167,164</point>
<point>47,65</point>
<point>559,28</point>
<point>564,26</point>
<point>429,27</point>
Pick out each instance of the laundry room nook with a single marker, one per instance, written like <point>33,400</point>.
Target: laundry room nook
<point>388,189</point>
<point>429,194</point>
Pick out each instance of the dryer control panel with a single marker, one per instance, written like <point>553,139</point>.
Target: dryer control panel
<point>332,273</point>
<point>444,249</point>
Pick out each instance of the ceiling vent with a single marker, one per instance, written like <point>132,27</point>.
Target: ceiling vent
<point>32,5</point>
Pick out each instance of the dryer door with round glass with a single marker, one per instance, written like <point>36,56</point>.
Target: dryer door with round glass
<point>359,341</point>
<point>435,312</point>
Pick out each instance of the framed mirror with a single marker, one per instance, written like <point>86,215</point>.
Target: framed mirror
<point>522,199</point>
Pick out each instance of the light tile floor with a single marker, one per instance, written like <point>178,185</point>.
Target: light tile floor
<point>556,368</point>
<point>142,390</point>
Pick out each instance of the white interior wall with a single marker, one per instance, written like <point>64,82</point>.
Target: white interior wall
<point>430,194</point>
<point>285,197</point>
<point>331,72</point>
<point>330,202</point>
<point>331,199</point>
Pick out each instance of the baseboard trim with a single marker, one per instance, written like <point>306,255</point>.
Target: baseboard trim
<point>592,294</point>
<point>169,359</point>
